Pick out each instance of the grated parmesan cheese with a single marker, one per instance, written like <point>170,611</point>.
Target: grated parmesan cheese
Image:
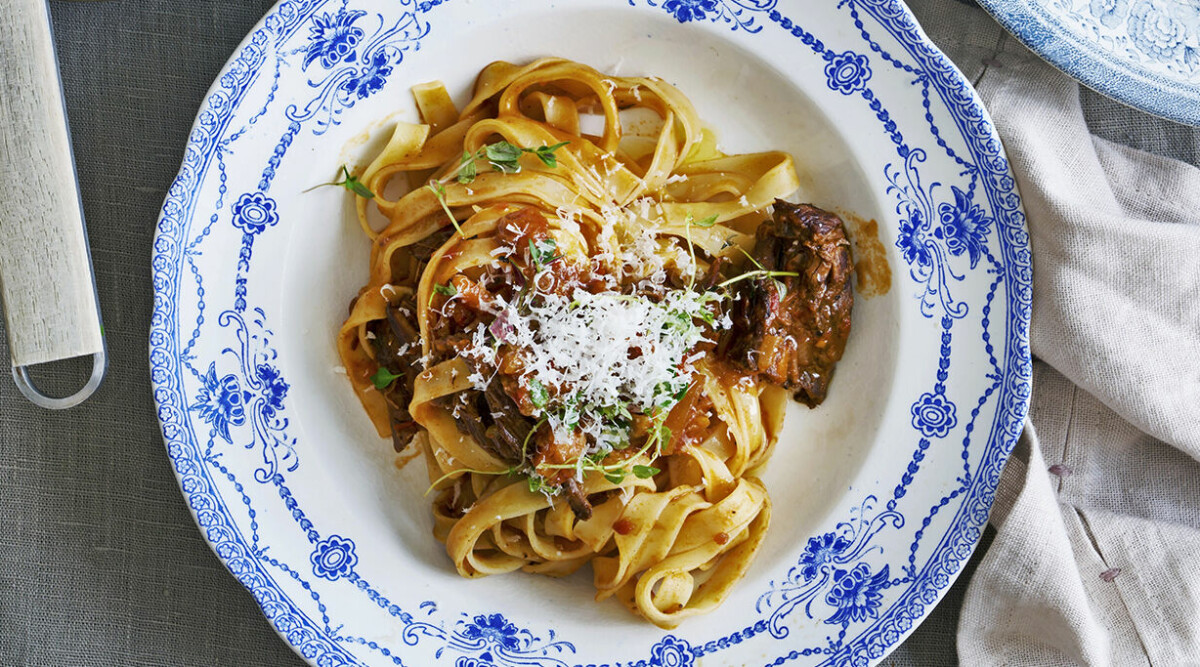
<point>610,349</point>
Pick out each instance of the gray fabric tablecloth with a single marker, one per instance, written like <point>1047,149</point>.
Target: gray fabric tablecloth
<point>100,561</point>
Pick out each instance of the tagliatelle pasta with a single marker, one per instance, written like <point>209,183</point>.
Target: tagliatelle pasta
<point>561,315</point>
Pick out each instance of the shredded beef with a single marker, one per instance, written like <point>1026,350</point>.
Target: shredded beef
<point>794,336</point>
<point>398,349</point>
<point>508,428</point>
<point>577,499</point>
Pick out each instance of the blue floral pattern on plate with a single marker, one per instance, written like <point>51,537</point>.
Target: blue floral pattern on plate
<point>493,629</point>
<point>856,594</point>
<point>690,10</point>
<point>334,38</point>
<point>254,212</point>
<point>848,73</point>
<point>934,415</point>
<point>1145,53</point>
<point>821,551</point>
<point>333,558</point>
<point>221,402</point>
<point>224,393</point>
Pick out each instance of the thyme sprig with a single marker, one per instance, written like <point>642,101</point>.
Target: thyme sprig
<point>383,378</point>
<point>350,182</point>
<point>762,273</point>
<point>504,157</point>
<point>439,191</point>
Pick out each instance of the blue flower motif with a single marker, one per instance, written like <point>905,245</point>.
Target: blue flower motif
<point>484,660</point>
<point>1156,32</point>
<point>372,77</point>
<point>221,403</point>
<point>911,241</point>
<point>856,594</point>
<point>964,226</point>
<point>333,38</point>
<point>254,212</point>
<point>820,551</point>
<point>934,415</point>
<point>690,10</point>
<point>333,558</point>
<point>848,72</point>
<point>274,389</point>
<point>1110,12</point>
<point>493,629</point>
<point>672,652</point>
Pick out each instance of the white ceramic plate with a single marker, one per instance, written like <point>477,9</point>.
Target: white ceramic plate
<point>1145,53</point>
<point>880,494</point>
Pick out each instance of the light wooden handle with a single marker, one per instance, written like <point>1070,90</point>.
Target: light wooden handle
<point>45,269</point>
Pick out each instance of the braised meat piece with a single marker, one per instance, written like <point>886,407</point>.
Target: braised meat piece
<point>491,418</point>
<point>398,349</point>
<point>471,416</point>
<point>422,250</point>
<point>508,428</point>
<point>577,499</point>
<point>792,330</point>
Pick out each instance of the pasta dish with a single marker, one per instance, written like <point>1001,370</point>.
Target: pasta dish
<point>588,321</point>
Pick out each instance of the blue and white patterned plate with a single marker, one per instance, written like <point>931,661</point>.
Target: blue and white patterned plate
<point>880,494</point>
<point>1145,53</point>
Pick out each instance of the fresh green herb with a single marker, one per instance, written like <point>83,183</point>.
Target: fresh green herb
<point>546,153</point>
<point>538,394</point>
<point>707,222</point>
<point>529,436</point>
<point>645,472</point>
<point>751,258</point>
<point>506,472</point>
<point>444,290</point>
<point>620,436</point>
<point>349,182</point>
<point>616,477</point>
<point>680,322</point>
<point>543,253</point>
<point>618,413</point>
<point>383,378</point>
<point>664,436</point>
<point>439,191</point>
<point>467,169</point>
<point>536,483</point>
<point>759,274</point>
<point>504,157</point>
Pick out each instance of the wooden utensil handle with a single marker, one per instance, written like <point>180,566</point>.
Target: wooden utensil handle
<point>46,277</point>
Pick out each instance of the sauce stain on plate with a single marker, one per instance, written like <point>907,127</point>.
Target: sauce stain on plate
<point>870,256</point>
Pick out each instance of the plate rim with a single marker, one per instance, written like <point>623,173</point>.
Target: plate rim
<point>872,643</point>
<point>1095,68</point>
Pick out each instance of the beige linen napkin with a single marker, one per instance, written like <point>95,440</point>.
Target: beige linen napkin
<point>1096,559</point>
